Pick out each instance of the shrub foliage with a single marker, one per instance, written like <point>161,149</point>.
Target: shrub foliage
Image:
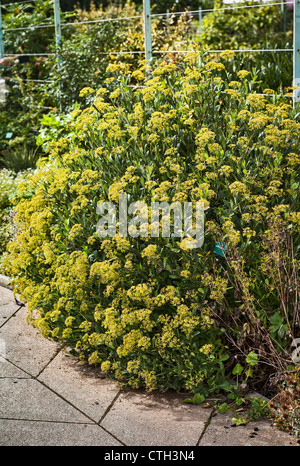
<point>148,310</point>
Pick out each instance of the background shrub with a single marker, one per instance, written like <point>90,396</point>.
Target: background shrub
<point>231,28</point>
<point>266,27</point>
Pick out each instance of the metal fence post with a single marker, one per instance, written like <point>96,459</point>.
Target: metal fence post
<point>296,53</point>
<point>200,17</point>
<point>2,54</point>
<point>283,11</point>
<point>57,23</point>
<point>147,30</point>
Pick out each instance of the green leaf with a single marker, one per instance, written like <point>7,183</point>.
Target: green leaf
<point>237,370</point>
<point>224,357</point>
<point>249,372</point>
<point>252,358</point>
<point>188,401</point>
<point>226,386</point>
<point>238,401</point>
<point>197,399</point>
<point>224,408</point>
<point>238,421</point>
<point>276,321</point>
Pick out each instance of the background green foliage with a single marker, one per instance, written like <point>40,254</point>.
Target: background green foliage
<point>230,28</point>
<point>254,28</point>
<point>159,6</point>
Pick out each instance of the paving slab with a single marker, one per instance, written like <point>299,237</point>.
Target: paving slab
<point>6,296</point>
<point>8,305</point>
<point>220,432</point>
<point>80,385</point>
<point>9,370</point>
<point>29,399</point>
<point>33,433</point>
<point>7,311</point>
<point>4,281</point>
<point>143,419</point>
<point>24,345</point>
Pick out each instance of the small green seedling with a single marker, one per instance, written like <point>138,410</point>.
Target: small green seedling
<point>196,400</point>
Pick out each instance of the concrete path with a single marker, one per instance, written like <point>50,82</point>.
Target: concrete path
<point>48,399</point>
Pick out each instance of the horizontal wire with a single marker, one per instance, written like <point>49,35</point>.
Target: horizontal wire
<point>126,52</point>
<point>121,52</point>
<point>40,106</point>
<point>249,50</point>
<point>30,80</point>
<point>71,24</point>
<point>28,55</point>
<point>36,26</point>
<point>226,50</point>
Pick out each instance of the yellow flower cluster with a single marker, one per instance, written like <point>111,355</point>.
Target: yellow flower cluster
<point>151,253</point>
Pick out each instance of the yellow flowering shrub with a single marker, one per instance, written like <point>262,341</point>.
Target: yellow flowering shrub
<point>151,311</point>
